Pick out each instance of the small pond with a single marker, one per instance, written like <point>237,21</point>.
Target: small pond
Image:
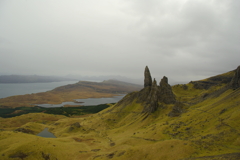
<point>86,102</point>
<point>45,133</point>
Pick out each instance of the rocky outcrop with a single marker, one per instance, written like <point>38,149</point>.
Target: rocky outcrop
<point>235,82</point>
<point>165,92</point>
<point>151,103</point>
<point>147,78</point>
<point>203,84</point>
<point>158,95</point>
<point>151,96</point>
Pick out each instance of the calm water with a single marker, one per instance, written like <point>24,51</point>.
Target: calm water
<point>11,89</point>
<point>86,102</point>
<point>45,133</point>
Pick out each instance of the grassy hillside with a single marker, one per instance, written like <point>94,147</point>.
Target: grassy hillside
<point>66,111</point>
<point>208,128</point>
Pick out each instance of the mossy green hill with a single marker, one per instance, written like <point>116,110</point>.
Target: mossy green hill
<point>203,125</point>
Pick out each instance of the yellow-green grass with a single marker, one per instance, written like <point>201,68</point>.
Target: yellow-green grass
<point>210,126</point>
<point>19,121</point>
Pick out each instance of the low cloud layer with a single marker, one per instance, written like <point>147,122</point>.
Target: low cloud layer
<point>182,39</point>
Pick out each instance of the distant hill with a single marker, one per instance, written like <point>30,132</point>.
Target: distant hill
<point>80,90</point>
<point>32,79</point>
<point>117,82</point>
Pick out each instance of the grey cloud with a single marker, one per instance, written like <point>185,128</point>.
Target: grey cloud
<point>182,39</point>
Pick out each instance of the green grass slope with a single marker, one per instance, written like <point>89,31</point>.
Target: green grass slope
<point>207,129</point>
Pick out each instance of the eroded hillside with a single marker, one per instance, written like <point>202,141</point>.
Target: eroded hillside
<point>194,121</point>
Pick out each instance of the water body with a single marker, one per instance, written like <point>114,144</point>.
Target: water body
<point>86,102</point>
<point>11,89</point>
<point>97,101</point>
<point>45,133</point>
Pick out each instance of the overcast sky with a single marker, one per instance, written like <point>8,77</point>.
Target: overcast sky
<point>182,39</point>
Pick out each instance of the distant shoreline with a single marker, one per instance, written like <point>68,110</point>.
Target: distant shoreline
<point>26,94</point>
<point>19,89</point>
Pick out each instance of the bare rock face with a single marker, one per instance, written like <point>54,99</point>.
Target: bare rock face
<point>151,104</point>
<point>147,78</point>
<point>235,82</point>
<point>151,96</point>
<point>165,92</point>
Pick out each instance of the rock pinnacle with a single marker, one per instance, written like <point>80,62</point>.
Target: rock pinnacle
<point>165,92</point>
<point>147,78</point>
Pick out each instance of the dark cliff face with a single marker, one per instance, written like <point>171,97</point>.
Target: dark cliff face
<point>151,103</point>
<point>235,82</point>
<point>147,78</point>
<point>165,92</point>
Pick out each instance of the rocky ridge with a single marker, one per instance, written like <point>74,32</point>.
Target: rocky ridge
<point>235,82</point>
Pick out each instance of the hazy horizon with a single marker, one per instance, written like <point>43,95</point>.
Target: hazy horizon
<point>184,40</point>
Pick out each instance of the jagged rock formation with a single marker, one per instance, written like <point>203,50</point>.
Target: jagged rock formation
<point>235,82</point>
<point>147,78</point>
<point>143,95</point>
<point>152,99</point>
<point>151,96</point>
<point>165,92</point>
<point>157,94</point>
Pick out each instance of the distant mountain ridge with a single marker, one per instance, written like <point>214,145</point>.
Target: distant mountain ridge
<point>79,90</point>
<point>32,79</point>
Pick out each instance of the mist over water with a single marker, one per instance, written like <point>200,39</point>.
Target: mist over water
<point>11,89</point>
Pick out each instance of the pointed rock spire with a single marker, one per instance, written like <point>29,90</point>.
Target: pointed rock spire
<point>164,81</point>
<point>235,82</point>
<point>152,99</point>
<point>165,92</point>
<point>147,78</point>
